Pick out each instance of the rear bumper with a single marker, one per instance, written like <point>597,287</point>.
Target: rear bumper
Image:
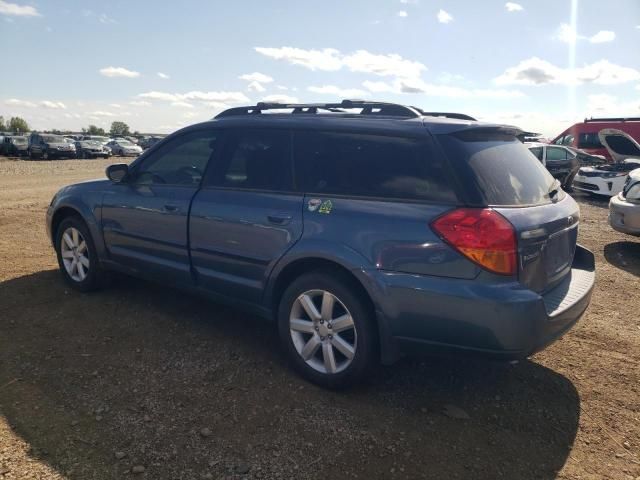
<point>508,321</point>
<point>624,216</point>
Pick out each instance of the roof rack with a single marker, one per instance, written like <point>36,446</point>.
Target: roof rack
<point>613,119</point>
<point>368,108</point>
<point>458,116</point>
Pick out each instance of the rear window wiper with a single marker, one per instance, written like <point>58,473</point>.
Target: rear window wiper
<point>554,189</point>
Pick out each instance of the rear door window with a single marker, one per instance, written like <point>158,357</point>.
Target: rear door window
<point>357,164</point>
<point>555,154</point>
<point>495,168</point>
<point>254,159</point>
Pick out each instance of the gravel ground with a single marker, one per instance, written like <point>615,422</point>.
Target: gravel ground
<point>139,381</point>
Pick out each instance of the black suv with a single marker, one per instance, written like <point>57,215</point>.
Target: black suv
<point>48,146</point>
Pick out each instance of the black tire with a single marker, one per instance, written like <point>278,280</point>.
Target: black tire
<point>350,296</point>
<point>95,277</point>
<point>31,155</point>
<point>45,155</point>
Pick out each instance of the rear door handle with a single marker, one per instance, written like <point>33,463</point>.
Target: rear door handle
<point>279,218</point>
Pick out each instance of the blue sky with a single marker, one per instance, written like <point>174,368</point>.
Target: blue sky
<point>159,66</point>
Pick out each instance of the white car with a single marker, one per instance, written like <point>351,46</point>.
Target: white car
<point>124,148</point>
<point>610,179</point>
<point>624,208</point>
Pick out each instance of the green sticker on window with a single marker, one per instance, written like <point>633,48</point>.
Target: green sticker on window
<point>326,207</point>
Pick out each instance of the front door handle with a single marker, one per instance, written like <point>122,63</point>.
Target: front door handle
<point>279,218</point>
<point>171,208</point>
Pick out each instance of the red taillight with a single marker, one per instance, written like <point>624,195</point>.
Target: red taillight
<point>482,235</point>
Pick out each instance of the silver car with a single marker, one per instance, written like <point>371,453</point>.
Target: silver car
<point>624,208</point>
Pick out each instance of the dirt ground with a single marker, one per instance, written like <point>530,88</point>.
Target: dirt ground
<point>98,386</point>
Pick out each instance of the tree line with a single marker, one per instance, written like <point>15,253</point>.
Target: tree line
<point>20,125</point>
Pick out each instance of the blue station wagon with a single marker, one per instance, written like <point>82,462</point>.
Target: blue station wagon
<point>363,230</point>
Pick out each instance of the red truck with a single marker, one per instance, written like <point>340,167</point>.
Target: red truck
<point>585,135</point>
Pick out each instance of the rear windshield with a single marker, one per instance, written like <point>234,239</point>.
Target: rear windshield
<point>497,169</point>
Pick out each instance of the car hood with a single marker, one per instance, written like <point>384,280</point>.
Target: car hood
<point>625,166</point>
<point>58,144</point>
<point>93,144</point>
<point>619,144</point>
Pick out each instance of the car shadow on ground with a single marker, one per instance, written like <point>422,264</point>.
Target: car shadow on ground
<point>188,388</point>
<point>624,255</point>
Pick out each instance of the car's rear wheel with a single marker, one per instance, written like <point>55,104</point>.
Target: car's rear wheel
<point>327,330</point>
<point>77,255</point>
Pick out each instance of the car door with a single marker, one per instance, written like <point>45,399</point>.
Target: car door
<point>557,162</point>
<point>145,218</point>
<point>246,216</point>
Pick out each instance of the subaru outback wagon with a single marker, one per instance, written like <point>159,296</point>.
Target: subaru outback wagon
<point>363,230</point>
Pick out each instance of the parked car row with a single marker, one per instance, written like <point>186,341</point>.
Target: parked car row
<point>48,146</point>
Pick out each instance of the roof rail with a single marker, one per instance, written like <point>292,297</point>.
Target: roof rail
<point>612,119</point>
<point>458,116</point>
<point>368,108</point>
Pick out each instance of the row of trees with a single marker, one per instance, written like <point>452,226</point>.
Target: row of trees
<point>14,124</point>
<point>17,124</point>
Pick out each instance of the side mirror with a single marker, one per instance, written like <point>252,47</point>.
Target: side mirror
<point>117,172</point>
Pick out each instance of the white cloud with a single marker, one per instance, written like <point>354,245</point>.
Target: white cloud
<point>339,92</point>
<point>603,36</point>
<point>101,113</point>
<point>169,97</point>
<point>255,87</point>
<point>140,103</point>
<point>444,17</point>
<point>409,2</point>
<point>361,61</point>
<point>217,105</point>
<point>513,7</point>
<point>535,71</point>
<point>256,77</point>
<point>567,34</point>
<point>14,102</point>
<point>326,59</point>
<point>106,19</point>
<point>14,9</point>
<point>220,97</point>
<point>163,75</point>
<point>402,13</point>
<point>416,85</point>
<point>384,65</point>
<point>282,87</point>
<point>118,72</point>
<point>181,104</point>
<point>279,98</point>
<point>115,105</point>
<point>605,104</point>
<point>50,104</point>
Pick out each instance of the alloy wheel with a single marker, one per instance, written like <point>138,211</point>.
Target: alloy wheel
<point>323,331</point>
<point>75,254</point>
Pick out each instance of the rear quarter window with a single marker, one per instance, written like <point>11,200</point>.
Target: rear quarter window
<point>495,168</point>
<point>364,165</point>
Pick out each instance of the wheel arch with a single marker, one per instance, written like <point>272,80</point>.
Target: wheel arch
<point>87,215</point>
<point>359,278</point>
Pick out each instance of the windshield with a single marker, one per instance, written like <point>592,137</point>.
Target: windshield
<point>52,139</point>
<point>20,140</point>
<point>503,171</point>
<point>125,143</point>
<point>98,139</point>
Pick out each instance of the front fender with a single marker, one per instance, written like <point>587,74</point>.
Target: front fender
<point>88,206</point>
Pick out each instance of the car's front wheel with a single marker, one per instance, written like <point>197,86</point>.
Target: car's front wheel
<point>77,255</point>
<point>327,330</point>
